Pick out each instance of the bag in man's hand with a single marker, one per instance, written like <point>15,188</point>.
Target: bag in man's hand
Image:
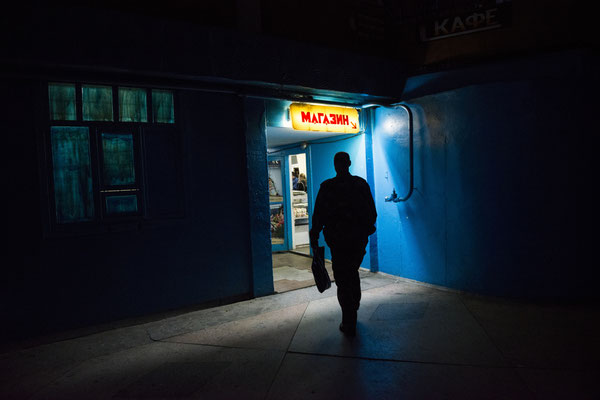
<point>318,269</point>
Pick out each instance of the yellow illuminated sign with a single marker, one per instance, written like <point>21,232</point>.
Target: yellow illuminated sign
<point>310,117</point>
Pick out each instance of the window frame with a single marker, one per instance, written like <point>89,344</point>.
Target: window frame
<point>105,190</point>
<point>101,219</point>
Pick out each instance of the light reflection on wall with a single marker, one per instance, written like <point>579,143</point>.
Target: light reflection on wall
<point>408,243</point>
<point>393,121</point>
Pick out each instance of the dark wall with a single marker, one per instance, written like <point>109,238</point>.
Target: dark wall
<point>215,250</point>
<point>129,268</point>
<point>106,40</point>
<point>21,194</point>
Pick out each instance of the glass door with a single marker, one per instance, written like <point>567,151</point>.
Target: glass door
<point>299,202</point>
<point>277,203</point>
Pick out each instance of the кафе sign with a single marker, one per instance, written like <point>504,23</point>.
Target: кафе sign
<point>461,24</point>
<point>321,118</point>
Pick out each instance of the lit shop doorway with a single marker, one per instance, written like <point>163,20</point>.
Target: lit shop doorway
<point>289,203</point>
<point>291,198</point>
<point>301,141</point>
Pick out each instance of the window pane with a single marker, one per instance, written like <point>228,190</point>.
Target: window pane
<point>132,105</point>
<point>72,174</point>
<point>162,107</point>
<point>277,224</point>
<point>61,97</point>
<point>123,204</point>
<point>275,181</point>
<point>119,167</point>
<point>97,103</point>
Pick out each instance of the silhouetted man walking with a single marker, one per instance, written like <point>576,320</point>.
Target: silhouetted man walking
<point>345,211</point>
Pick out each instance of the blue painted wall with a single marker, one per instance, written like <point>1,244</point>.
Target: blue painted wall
<point>258,197</point>
<point>496,179</point>
<point>321,168</point>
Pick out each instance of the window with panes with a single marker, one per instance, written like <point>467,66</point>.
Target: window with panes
<point>95,139</point>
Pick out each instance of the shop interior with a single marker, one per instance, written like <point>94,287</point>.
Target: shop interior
<point>290,200</point>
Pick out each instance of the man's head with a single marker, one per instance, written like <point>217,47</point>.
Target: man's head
<point>341,162</point>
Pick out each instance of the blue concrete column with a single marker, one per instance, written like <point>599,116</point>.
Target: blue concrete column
<point>258,197</point>
<point>373,248</point>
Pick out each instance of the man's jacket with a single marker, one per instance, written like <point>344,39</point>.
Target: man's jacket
<point>345,210</point>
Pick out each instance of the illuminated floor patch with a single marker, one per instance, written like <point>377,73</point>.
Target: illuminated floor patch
<point>292,274</point>
<point>270,330</point>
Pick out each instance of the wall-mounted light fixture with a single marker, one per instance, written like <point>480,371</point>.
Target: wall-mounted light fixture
<point>393,197</point>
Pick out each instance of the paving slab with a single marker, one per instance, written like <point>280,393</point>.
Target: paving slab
<point>316,377</point>
<point>170,370</point>
<point>28,370</point>
<point>423,326</point>
<point>201,319</point>
<point>290,273</point>
<point>270,330</point>
<point>541,335</point>
<point>414,341</point>
<point>554,384</point>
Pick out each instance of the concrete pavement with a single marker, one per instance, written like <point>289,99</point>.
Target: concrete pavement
<point>413,342</point>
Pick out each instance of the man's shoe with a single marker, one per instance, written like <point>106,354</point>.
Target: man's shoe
<point>348,330</point>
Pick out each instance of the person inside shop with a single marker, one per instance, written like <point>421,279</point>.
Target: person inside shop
<point>295,174</point>
<point>302,182</point>
<point>297,182</point>
<point>345,211</point>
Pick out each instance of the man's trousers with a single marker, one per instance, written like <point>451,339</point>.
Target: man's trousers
<point>346,260</point>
